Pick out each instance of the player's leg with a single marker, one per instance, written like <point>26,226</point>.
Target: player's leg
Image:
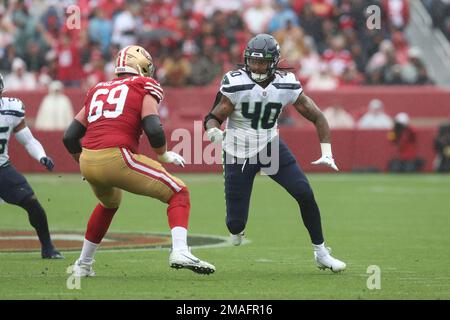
<point>292,178</point>
<point>14,189</point>
<point>97,226</point>
<point>239,175</point>
<point>144,176</point>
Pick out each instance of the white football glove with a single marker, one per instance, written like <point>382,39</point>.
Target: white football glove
<point>215,135</point>
<point>327,157</point>
<point>172,157</point>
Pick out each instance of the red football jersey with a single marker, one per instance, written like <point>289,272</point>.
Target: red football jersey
<point>113,112</point>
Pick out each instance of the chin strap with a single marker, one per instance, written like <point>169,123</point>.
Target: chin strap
<point>258,77</point>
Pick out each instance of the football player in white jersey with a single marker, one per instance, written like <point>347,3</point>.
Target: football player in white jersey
<point>14,188</point>
<point>251,99</point>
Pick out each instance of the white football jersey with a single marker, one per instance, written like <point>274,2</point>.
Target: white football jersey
<point>254,121</point>
<point>12,112</point>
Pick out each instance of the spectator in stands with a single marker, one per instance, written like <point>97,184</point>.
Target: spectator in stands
<point>375,118</point>
<point>337,56</point>
<point>55,111</point>
<point>311,23</point>
<point>442,147</point>
<point>310,62</point>
<point>257,17</point>
<point>404,137</point>
<point>397,12</point>
<point>283,14</point>
<point>323,80</point>
<point>175,70</point>
<point>414,71</point>
<point>20,78</point>
<point>126,25</point>
<point>100,29</point>
<point>338,118</point>
<point>292,42</point>
<point>69,62</point>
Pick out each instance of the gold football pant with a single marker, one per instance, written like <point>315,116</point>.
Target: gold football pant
<point>111,170</point>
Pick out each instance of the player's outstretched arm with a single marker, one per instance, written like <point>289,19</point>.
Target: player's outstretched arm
<point>308,109</point>
<point>32,145</point>
<point>73,135</point>
<point>152,126</point>
<point>221,110</point>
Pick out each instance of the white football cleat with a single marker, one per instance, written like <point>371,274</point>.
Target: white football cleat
<point>324,261</point>
<point>236,239</point>
<point>83,269</point>
<point>180,259</point>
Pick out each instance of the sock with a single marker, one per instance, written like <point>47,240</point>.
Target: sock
<point>178,210</point>
<point>88,251</point>
<point>38,219</point>
<point>179,238</point>
<point>99,223</point>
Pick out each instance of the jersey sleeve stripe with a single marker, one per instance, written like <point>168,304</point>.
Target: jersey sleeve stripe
<point>156,87</point>
<point>237,88</point>
<point>289,86</point>
<point>12,113</point>
<point>154,92</point>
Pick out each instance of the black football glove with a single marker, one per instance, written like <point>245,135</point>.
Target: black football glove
<point>48,163</point>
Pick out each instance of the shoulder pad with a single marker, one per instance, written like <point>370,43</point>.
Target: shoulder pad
<point>14,104</point>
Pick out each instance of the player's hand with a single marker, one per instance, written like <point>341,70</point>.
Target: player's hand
<point>327,161</point>
<point>215,135</point>
<point>48,163</point>
<point>172,157</point>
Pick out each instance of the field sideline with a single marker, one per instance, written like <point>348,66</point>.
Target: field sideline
<point>400,223</point>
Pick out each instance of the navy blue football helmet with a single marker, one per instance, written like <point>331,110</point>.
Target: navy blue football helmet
<point>262,46</point>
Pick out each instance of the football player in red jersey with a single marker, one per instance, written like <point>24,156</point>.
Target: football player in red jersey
<point>113,117</point>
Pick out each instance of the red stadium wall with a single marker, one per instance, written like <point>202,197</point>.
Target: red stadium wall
<point>352,148</point>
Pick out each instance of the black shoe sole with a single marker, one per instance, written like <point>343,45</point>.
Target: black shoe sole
<point>199,270</point>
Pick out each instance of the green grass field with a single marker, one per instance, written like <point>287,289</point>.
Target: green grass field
<point>399,223</point>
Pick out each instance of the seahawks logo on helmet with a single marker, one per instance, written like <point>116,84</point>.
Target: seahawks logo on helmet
<point>263,46</point>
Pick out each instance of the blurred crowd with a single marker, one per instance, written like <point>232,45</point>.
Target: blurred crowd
<point>440,14</point>
<point>193,42</point>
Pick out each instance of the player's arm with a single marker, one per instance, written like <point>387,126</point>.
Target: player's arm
<point>220,111</point>
<point>74,133</point>
<point>32,145</point>
<point>308,109</point>
<point>152,126</point>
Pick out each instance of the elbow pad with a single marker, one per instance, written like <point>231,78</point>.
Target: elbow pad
<point>154,130</point>
<point>73,135</point>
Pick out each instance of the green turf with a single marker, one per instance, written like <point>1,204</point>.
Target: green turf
<point>399,223</point>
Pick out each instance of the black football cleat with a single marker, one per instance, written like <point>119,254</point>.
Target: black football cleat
<point>51,254</point>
